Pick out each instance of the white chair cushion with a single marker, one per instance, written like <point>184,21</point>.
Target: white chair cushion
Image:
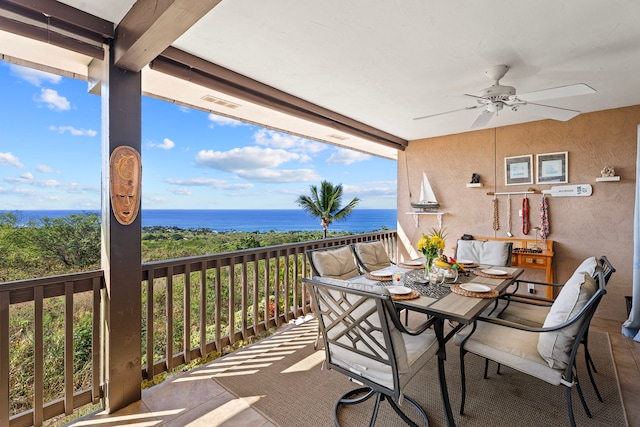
<point>587,266</point>
<point>373,255</point>
<point>510,347</point>
<point>484,252</point>
<point>336,263</point>
<point>555,347</point>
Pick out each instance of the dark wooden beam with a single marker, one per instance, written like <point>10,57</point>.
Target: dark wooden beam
<point>152,25</point>
<point>51,37</point>
<point>64,13</point>
<point>191,68</point>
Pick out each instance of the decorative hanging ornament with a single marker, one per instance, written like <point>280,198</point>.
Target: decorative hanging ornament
<point>509,233</point>
<point>496,217</point>
<point>525,216</point>
<point>544,218</point>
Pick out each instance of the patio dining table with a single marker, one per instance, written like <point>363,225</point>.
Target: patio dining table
<point>439,301</point>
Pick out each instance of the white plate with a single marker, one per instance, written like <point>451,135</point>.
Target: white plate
<point>413,262</point>
<point>399,290</point>
<point>475,287</point>
<point>465,261</point>
<point>380,273</point>
<point>494,272</point>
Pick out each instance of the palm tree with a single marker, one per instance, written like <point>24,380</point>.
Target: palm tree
<point>326,204</point>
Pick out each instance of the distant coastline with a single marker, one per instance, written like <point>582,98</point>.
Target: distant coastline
<point>259,220</point>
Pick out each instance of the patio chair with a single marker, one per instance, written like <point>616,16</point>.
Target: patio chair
<point>371,256</point>
<point>335,262</point>
<point>548,352</point>
<point>365,340</point>
<point>490,252</point>
<point>532,310</point>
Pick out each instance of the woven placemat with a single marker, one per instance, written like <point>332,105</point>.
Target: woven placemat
<point>378,278</point>
<point>401,297</point>
<point>492,276</point>
<point>470,265</point>
<point>458,290</point>
<point>403,265</point>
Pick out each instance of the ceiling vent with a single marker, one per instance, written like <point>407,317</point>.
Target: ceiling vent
<point>220,101</point>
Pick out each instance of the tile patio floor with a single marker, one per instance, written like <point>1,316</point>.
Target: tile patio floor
<point>186,400</point>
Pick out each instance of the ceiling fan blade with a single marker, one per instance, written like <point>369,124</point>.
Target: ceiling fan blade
<point>447,112</point>
<point>557,92</point>
<point>483,119</point>
<point>549,112</point>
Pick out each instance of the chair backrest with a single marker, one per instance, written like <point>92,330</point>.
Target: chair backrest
<point>336,262</point>
<point>358,323</point>
<point>607,268</point>
<point>570,315</point>
<point>491,252</point>
<point>371,256</point>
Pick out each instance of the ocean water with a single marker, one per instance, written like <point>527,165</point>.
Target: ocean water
<point>360,220</point>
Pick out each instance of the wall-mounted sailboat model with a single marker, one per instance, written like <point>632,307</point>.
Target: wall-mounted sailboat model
<point>428,201</point>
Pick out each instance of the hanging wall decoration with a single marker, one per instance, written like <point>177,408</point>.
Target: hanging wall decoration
<point>125,172</point>
<point>526,226</point>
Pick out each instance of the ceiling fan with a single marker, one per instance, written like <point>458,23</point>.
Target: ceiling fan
<point>493,99</point>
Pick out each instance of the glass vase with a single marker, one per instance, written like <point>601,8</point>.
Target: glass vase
<point>428,266</point>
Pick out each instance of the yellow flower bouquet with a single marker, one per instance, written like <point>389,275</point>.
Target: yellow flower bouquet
<point>431,245</point>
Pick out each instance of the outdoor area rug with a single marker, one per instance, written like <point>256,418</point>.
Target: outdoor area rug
<point>284,375</point>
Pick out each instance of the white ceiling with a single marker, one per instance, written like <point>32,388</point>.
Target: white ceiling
<point>385,62</point>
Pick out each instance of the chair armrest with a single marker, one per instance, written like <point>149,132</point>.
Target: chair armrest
<point>527,299</point>
<point>420,329</point>
<point>515,325</point>
<point>557,285</point>
<point>395,318</point>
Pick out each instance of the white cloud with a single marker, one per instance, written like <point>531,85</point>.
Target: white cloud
<point>44,169</point>
<point>224,121</point>
<point>166,144</point>
<point>244,158</point>
<point>380,189</point>
<point>180,191</point>
<point>35,77</point>
<point>73,131</point>
<point>219,184</point>
<point>30,181</point>
<point>347,157</point>
<point>279,176</point>
<point>10,159</point>
<point>271,138</point>
<point>27,175</point>
<point>53,100</point>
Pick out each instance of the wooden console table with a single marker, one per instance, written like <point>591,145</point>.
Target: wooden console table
<point>539,260</point>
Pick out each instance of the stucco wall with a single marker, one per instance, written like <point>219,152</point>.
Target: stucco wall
<point>601,224</point>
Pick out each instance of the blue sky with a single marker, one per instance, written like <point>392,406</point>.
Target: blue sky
<point>50,155</point>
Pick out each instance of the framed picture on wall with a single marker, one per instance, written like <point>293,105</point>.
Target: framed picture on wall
<point>552,168</point>
<point>518,170</point>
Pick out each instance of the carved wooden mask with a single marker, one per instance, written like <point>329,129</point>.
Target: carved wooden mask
<point>124,183</point>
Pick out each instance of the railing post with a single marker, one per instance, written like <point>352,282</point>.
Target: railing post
<point>4,359</point>
<point>38,356</point>
<point>186,343</point>
<point>169,319</point>
<point>68,348</point>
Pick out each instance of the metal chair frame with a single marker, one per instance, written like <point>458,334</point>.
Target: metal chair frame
<point>607,270</point>
<point>570,377</point>
<point>334,310</point>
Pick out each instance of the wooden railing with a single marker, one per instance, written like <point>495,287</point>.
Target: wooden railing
<point>32,294</point>
<point>230,297</point>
